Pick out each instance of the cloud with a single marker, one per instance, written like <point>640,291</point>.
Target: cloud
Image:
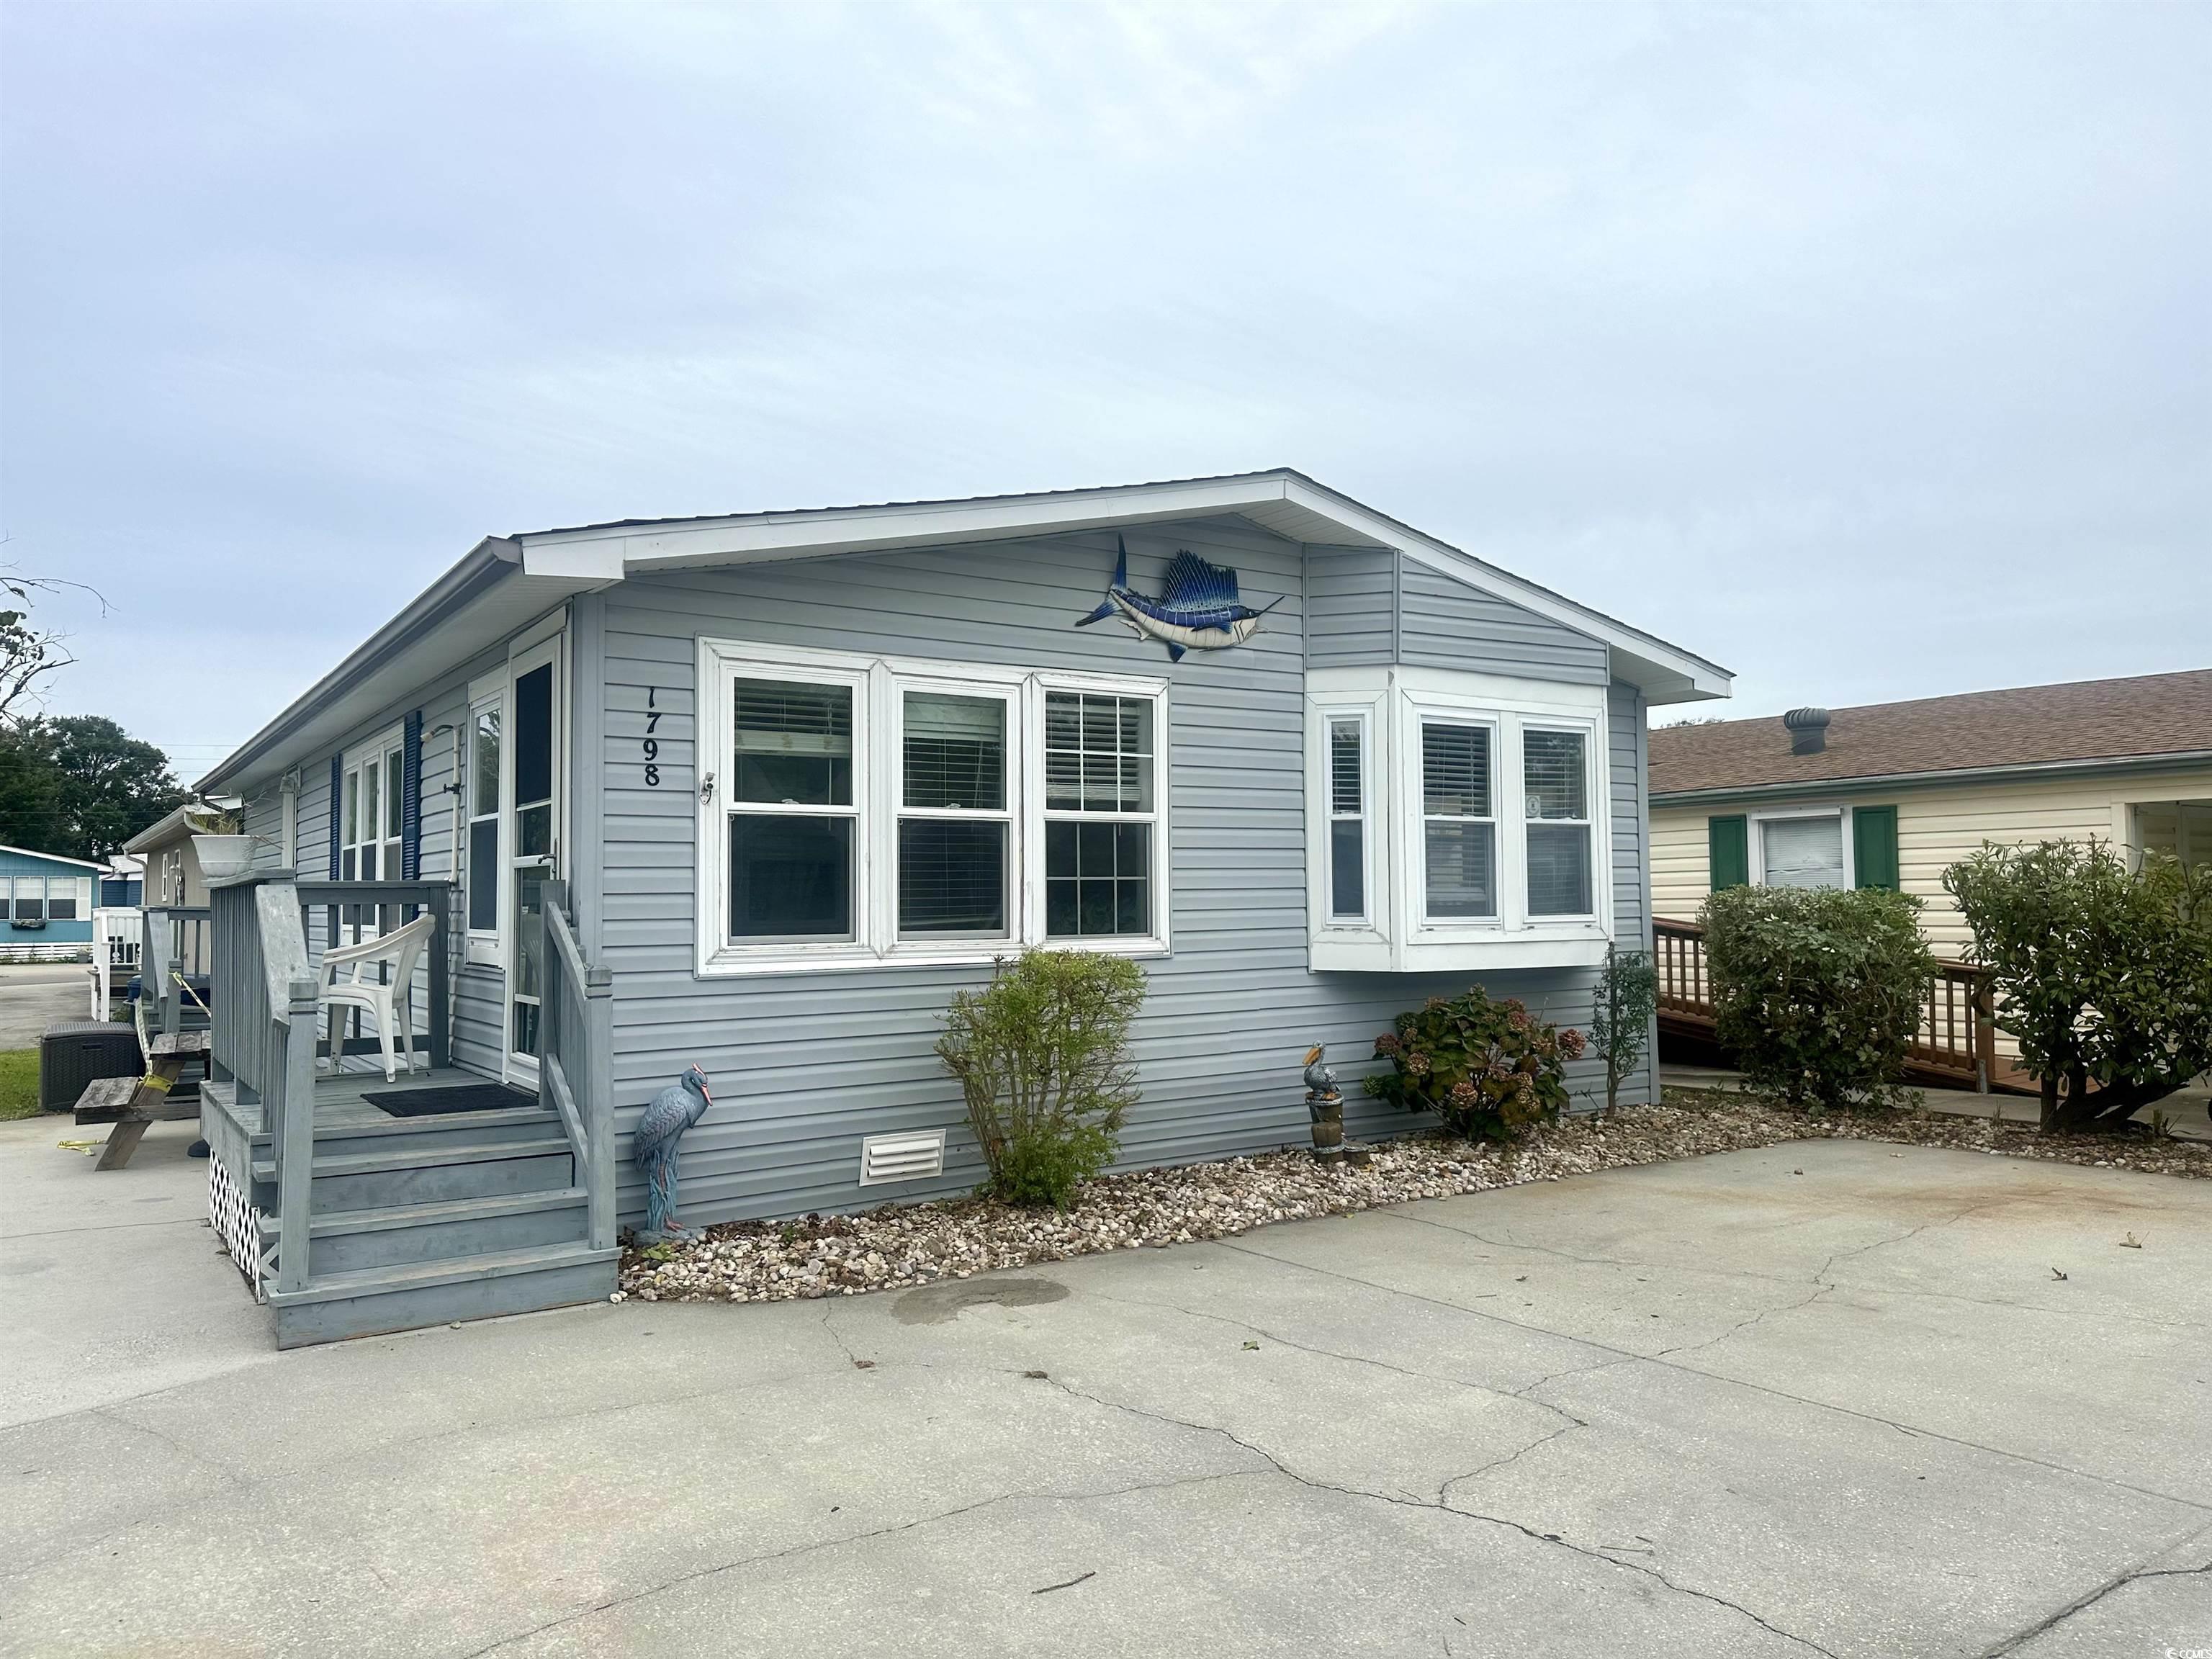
<point>1865,351</point>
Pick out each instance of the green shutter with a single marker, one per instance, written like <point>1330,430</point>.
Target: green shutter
<point>1728,852</point>
<point>1874,845</point>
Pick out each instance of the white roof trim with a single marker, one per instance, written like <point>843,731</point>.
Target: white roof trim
<point>1285,501</point>
<point>56,858</point>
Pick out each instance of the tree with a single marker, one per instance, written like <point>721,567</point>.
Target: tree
<point>80,786</point>
<point>2103,974</point>
<point>1620,1017</point>
<point>28,652</point>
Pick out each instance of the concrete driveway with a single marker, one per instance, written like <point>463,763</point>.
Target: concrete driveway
<point>35,994</point>
<point>1825,1398</point>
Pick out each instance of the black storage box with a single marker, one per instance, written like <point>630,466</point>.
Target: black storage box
<point>81,1051</point>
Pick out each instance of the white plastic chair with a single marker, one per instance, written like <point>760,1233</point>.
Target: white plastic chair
<point>386,999</point>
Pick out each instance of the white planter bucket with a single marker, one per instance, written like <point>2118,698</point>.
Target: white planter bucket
<point>222,857</point>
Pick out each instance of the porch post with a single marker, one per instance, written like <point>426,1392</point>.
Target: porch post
<point>296,1146</point>
<point>598,989</point>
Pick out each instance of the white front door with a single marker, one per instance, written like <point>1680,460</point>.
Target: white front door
<point>535,791</point>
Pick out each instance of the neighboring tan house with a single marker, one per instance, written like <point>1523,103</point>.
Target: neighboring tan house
<point>1891,794</point>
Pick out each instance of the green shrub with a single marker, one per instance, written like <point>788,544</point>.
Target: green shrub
<point>2102,973</point>
<point>1489,1069</point>
<point>1620,1016</point>
<point>1043,1057</point>
<point>1817,992</point>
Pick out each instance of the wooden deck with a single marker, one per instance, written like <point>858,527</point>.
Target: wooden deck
<point>1955,1047</point>
<point>341,1102</point>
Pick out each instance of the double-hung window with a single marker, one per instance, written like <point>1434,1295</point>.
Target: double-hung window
<point>1098,812</point>
<point>63,894</point>
<point>1555,773</point>
<point>795,809</point>
<point>956,815</point>
<point>1459,820</point>
<point>1348,818</point>
<point>368,848</point>
<point>857,810</point>
<point>30,904</point>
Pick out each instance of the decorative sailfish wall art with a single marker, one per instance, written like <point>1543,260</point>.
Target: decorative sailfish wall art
<point>1198,609</point>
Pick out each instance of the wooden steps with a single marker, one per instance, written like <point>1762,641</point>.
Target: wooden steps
<point>416,1221</point>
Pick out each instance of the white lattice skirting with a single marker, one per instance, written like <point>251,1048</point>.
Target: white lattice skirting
<point>236,1222</point>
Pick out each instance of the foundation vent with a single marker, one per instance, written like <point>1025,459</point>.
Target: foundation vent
<point>901,1158</point>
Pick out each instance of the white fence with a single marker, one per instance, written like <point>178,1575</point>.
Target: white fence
<point>116,937</point>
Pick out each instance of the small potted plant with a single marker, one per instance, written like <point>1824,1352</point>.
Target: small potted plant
<point>220,843</point>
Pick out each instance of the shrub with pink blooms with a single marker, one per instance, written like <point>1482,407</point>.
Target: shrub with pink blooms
<point>1488,1069</point>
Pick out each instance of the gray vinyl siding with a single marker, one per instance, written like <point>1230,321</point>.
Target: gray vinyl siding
<point>1444,624</point>
<point>477,993</point>
<point>1350,607</point>
<point>805,1064</point>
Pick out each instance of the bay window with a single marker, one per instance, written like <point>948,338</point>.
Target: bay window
<point>1422,853</point>
<point>857,810</point>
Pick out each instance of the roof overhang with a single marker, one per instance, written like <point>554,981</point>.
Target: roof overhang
<point>505,582</point>
<point>52,858</point>
<point>1288,504</point>
<point>482,601</point>
<point>1823,788</point>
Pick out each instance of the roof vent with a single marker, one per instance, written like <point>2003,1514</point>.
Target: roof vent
<point>901,1158</point>
<point>1808,730</point>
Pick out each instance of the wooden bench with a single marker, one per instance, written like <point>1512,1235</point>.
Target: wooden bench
<point>132,1102</point>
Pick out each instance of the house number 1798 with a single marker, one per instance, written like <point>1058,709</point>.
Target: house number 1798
<point>652,743</point>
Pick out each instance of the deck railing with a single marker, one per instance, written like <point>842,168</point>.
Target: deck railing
<point>333,913</point>
<point>118,935</point>
<point>1956,1041</point>
<point>262,1039</point>
<point>575,1059</point>
<point>175,941</point>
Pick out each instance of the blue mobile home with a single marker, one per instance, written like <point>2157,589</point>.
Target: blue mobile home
<point>761,791</point>
<point>49,901</point>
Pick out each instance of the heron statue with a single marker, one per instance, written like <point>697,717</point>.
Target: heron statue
<point>657,1141</point>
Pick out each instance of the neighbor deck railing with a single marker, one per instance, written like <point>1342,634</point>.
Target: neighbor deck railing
<point>1956,1042</point>
<point>175,940</point>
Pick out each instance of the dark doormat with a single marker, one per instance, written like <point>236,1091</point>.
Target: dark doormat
<point>432,1102</point>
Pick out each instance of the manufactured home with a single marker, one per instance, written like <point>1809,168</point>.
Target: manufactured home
<point>48,904</point>
<point>761,791</point>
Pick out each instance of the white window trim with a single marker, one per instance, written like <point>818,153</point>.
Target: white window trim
<point>880,682</point>
<point>1756,833</point>
<point>1365,717</point>
<point>350,761</point>
<point>1399,936</point>
<point>1010,696</point>
<point>482,947</point>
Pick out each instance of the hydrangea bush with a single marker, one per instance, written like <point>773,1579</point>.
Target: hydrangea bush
<point>1490,1070</point>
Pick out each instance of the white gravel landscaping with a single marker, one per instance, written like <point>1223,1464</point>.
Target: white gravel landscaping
<point>901,1245</point>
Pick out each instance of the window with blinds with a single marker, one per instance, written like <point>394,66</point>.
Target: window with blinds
<point>1555,776</point>
<point>1459,828</point>
<point>1347,819</point>
<point>1099,815</point>
<point>1802,852</point>
<point>955,827</point>
<point>792,825</point>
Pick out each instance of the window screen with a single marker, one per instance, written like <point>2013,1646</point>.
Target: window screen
<point>1802,852</point>
<point>1098,760</point>
<point>1347,828</point>
<point>1555,776</point>
<point>1458,831</point>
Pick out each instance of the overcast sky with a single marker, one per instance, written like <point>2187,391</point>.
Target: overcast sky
<point>1868,352</point>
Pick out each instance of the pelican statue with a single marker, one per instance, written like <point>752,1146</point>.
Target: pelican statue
<point>659,1140</point>
<point>1320,1075</point>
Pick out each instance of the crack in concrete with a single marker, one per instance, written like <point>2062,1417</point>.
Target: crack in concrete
<point>2013,1644</point>
<point>681,1579</point>
<point>1332,1353</point>
<point>1443,1492</point>
<point>1407,1501</point>
<point>1623,1356</point>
